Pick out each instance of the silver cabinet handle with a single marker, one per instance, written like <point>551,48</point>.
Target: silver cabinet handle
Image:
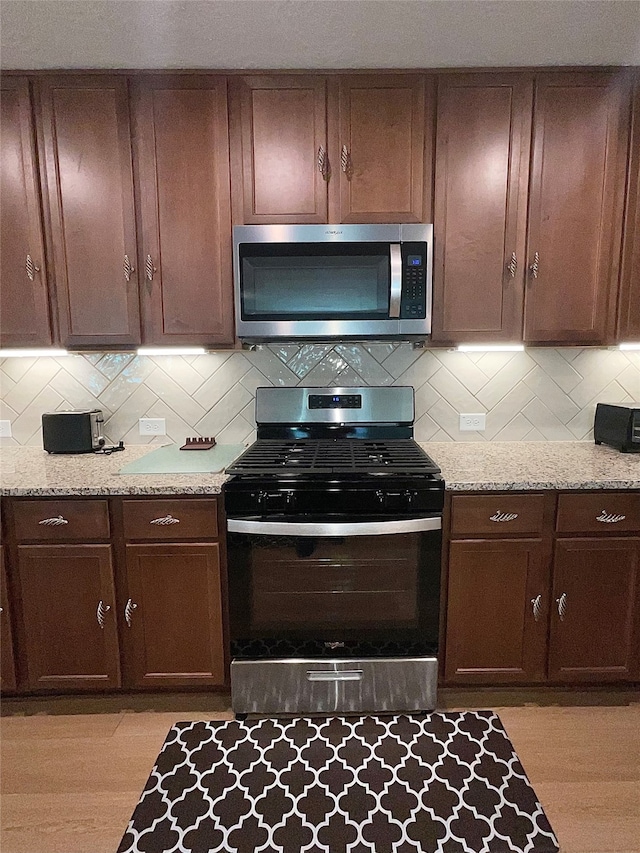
<point>535,266</point>
<point>128,268</point>
<point>345,162</point>
<point>395,258</point>
<point>536,604</point>
<point>609,517</point>
<point>503,516</point>
<point>512,266</point>
<point>55,521</point>
<point>332,675</point>
<point>166,519</point>
<point>1,609</point>
<point>323,163</point>
<point>101,611</point>
<point>31,268</point>
<point>562,606</point>
<point>129,607</point>
<point>149,268</point>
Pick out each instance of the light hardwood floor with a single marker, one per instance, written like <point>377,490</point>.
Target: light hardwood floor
<point>71,780</point>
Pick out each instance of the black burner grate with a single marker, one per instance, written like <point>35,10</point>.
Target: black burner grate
<point>334,456</point>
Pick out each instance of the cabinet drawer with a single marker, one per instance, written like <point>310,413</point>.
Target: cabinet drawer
<point>600,512</point>
<point>474,515</point>
<point>171,519</point>
<point>58,521</point>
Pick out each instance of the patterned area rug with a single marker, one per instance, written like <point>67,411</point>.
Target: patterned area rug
<point>440,783</point>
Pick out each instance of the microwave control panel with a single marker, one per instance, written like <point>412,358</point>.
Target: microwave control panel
<point>413,301</point>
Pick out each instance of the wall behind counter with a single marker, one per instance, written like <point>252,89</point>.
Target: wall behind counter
<point>540,394</point>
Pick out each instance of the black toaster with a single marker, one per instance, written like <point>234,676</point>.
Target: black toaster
<point>77,431</point>
<point>618,425</point>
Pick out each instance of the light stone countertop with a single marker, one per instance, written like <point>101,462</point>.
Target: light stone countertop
<point>531,465</point>
<point>470,466</point>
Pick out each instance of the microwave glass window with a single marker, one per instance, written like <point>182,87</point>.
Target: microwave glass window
<point>348,285</point>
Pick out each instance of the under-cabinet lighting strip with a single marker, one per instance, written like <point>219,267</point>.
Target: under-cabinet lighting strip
<point>171,351</point>
<point>629,346</point>
<point>32,353</point>
<point>490,348</point>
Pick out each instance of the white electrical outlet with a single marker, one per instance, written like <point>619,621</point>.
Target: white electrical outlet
<point>5,429</point>
<point>477,422</point>
<point>152,426</point>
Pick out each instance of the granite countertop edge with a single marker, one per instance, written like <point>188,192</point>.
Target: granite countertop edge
<point>466,467</point>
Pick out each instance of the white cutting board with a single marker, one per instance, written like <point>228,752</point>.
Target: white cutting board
<point>169,459</point>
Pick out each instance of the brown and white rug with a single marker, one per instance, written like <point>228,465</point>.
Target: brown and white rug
<point>442,783</point>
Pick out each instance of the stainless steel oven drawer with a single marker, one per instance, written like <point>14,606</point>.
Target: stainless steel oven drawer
<point>342,685</point>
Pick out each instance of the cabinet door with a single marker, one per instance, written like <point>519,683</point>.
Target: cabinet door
<point>7,662</point>
<point>482,161</point>
<point>629,320</point>
<point>87,148</point>
<point>575,208</point>
<point>595,590</point>
<point>173,615</point>
<point>497,612</point>
<point>279,139</point>
<point>381,149</point>
<point>182,144</point>
<point>68,610</point>
<point>24,319</point>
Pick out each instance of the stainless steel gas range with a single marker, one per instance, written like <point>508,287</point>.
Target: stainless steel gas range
<point>334,538</point>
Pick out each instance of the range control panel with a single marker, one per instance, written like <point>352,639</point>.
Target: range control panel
<point>413,302</point>
<point>335,401</point>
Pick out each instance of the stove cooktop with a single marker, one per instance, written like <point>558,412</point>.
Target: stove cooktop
<point>334,456</point>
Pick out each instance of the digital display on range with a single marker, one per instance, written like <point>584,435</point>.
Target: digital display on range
<point>335,401</point>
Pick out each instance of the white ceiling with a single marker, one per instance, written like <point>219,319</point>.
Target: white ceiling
<point>317,33</point>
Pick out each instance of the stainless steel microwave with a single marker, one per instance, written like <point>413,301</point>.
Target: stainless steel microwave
<point>332,281</point>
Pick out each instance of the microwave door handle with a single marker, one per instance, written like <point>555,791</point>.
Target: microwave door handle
<point>396,280</point>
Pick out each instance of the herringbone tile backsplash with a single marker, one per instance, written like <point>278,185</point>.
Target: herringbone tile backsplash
<point>539,394</point>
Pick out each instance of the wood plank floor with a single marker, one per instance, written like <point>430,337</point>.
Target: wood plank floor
<point>69,781</point>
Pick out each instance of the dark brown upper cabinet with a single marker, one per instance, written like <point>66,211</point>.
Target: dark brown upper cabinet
<point>279,149</point>
<point>24,315</point>
<point>84,123</point>
<point>382,148</point>
<point>576,199</point>
<point>182,156</point>
<point>480,207</point>
<point>629,318</point>
<point>313,149</point>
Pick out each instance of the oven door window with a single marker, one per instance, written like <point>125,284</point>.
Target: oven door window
<point>315,281</point>
<point>335,588</point>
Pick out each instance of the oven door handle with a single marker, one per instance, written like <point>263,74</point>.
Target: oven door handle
<point>350,528</point>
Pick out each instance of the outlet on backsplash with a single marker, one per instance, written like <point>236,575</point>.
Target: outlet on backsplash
<point>477,422</point>
<point>152,426</point>
<point>5,429</point>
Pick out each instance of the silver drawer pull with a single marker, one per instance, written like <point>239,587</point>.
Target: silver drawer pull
<point>331,675</point>
<point>503,516</point>
<point>166,519</point>
<point>536,607</point>
<point>562,606</point>
<point>609,517</point>
<point>129,607</point>
<point>101,611</point>
<point>56,521</point>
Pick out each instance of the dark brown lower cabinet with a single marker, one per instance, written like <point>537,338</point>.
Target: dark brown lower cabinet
<point>68,608</point>
<point>594,621</point>
<point>7,663</point>
<point>173,615</point>
<point>497,611</point>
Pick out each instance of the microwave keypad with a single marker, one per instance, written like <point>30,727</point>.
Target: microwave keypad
<point>413,302</point>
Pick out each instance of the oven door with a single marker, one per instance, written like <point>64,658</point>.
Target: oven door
<point>319,587</point>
